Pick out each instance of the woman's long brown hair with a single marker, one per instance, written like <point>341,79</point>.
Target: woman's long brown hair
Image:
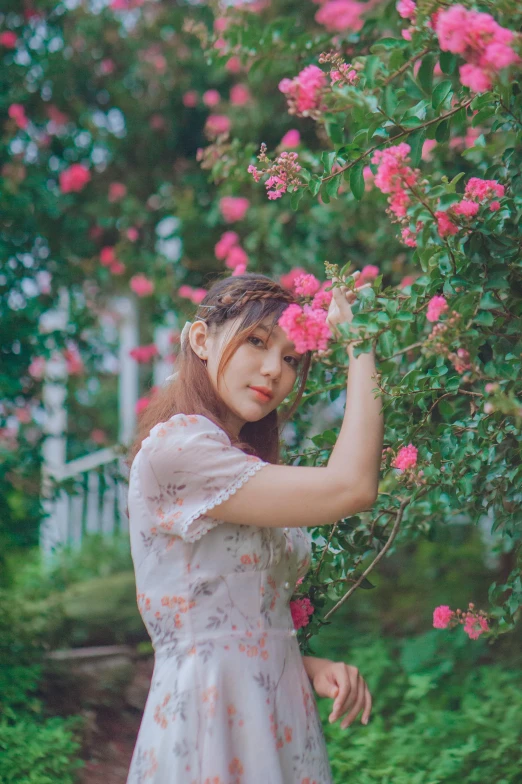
<point>255,298</point>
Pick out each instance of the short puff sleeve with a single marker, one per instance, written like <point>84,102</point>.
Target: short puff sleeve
<point>187,466</point>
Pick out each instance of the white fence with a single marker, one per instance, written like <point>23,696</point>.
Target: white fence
<point>89,494</point>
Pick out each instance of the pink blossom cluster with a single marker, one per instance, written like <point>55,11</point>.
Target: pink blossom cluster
<point>229,250</point>
<point>480,40</point>
<point>283,172</point>
<point>108,259</point>
<point>143,402</point>
<point>301,610</point>
<point>117,191</point>
<point>240,95</point>
<point>477,192</point>
<point>461,360</point>
<point>406,458</point>
<point>394,176</point>
<point>8,39</point>
<point>194,295</point>
<point>233,208</point>
<point>291,139</point>
<point>217,124</point>
<point>141,285</point>
<point>304,93</point>
<point>436,306</point>
<point>306,327</point>
<point>289,278</point>
<point>144,354</point>
<point>345,74</point>
<point>211,98</point>
<point>475,623</point>
<point>74,179</point>
<point>73,360</point>
<point>407,9</point>
<point>17,113</point>
<point>368,273</point>
<point>307,285</point>
<point>340,15</point>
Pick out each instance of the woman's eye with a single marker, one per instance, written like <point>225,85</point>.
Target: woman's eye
<point>252,337</point>
<point>294,361</point>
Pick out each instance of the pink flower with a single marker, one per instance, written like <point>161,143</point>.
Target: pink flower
<point>73,360</point>
<point>132,234</point>
<point>225,244</point>
<point>494,206</point>
<point>300,610</point>
<point>190,99</point>
<point>74,179</point>
<point>306,285</point>
<point>235,257</point>
<point>406,457</point>
<point>233,65</point>
<point>240,95</point>
<point>475,625</point>
<point>107,256</point>
<point>394,176</point>
<point>233,208</point>
<point>436,306</point>
<point>466,208</point>
<point>117,191</point>
<point>368,178</point>
<point>37,368</point>
<point>451,29</point>
<point>480,190</point>
<point>407,9</point>
<point>427,147</point>
<point>141,405</point>
<point>287,281</point>
<point>98,435</point>
<point>442,615</point>
<point>304,92</point>
<point>341,15</point>
<point>144,354</point>
<point>17,113</point>
<point>323,298</point>
<point>198,295</point>
<point>291,139</point>
<point>216,124</point>
<point>445,226</point>
<point>239,270</point>
<point>117,268</point>
<point>368,273</point>
<point>211,98</point>
<point>306,327</point>
<point>475,78</point>
<point>8,39</point>
<point>409,238</point>
<point>141,285</point>
<point>185,291</point>
<point>406,281</point>
<point>462,361</point>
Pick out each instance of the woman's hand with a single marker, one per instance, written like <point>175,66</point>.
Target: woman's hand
<point>345,684</point>
<point>340,311</point>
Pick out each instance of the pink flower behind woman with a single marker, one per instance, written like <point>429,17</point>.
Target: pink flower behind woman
<point>233,208</point>
<point>301,609</point>
<point>74,179</point>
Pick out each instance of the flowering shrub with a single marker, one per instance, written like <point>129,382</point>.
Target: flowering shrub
<point>383,137</point>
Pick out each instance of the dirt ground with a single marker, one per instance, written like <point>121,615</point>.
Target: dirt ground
<point>109,757</point>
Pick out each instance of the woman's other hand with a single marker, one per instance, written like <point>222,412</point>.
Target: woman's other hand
<point>346,686</point>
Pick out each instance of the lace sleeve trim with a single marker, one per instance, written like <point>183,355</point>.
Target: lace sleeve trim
<point>208,523</point>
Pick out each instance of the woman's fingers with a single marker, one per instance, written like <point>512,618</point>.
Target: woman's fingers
<point>351,693</point>
<point>358,704</point>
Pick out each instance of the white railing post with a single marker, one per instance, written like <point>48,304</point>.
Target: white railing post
<point>128,390</point>
<point>162,335</point>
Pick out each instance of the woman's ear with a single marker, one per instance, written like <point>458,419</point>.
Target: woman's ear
<point>198,338</point>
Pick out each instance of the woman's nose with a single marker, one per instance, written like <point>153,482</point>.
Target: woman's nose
<point>271,364</point>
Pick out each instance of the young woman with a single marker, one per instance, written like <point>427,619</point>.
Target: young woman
<point>219,540</point>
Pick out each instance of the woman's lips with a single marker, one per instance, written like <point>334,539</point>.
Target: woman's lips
<point>260,395</point>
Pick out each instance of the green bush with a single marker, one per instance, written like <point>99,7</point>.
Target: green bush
<point>438,715</point>
<point>39,753</point>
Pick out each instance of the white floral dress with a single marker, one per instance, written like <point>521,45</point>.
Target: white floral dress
<point>230,701</point>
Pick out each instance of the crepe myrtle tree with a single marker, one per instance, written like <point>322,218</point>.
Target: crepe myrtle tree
<point>401,154</point>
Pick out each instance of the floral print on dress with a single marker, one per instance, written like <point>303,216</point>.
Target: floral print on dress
<point>229,701</point>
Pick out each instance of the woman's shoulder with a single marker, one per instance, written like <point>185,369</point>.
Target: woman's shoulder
<point>180,427</point>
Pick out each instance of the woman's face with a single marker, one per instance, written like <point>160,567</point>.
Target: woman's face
<point>264,360</point>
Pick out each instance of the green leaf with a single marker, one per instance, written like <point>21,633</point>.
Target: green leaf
<point>425,73</point>
<point>389,100</point>
<point>328,159</point>
<point>366,585</point>
<point>387,44</point>
<point>448,62</point>
<point>450,187</point>
<point>296,198</point>
<point>335,132</point>
<point>370,69</point>
<point>315,185</point>
<point>483,114</point>
<point>416,140</point>
<point>440,93</point>
<point>332,186</point>
<point>357,180</point>
<point>443,131</point>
